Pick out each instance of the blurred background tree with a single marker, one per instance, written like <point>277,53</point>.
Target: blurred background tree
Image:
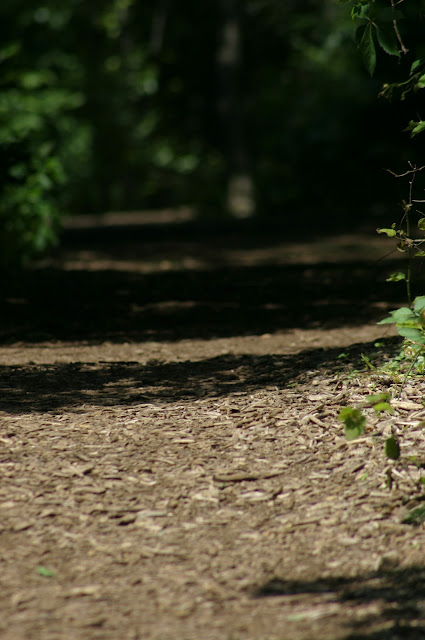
<point>240,107</point>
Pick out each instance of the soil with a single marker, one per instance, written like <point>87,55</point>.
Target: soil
<point>172,464</point>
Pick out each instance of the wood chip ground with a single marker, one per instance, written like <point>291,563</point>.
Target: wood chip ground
<point>180,472</point>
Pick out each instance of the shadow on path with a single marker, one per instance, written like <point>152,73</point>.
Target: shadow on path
<point>56,386</point>
<point>399,593</point>
<point>169,282</point>
<point>94,306</point>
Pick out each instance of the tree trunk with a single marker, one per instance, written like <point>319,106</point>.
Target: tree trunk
<point>240,188</point>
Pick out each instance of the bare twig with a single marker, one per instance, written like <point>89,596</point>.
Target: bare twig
<point>396,31</point>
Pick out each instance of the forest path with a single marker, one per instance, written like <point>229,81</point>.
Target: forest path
<point>172,464</point>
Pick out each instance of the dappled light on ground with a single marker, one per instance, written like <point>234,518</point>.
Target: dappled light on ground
<point>172,463</point>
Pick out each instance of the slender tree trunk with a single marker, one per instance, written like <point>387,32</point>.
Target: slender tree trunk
<point>240,188</point>
<point>159,22</point>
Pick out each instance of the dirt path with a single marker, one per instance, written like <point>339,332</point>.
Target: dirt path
<point>172,465</point>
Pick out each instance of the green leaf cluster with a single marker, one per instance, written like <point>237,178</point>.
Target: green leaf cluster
<point>410,323</point>
<point>384,25</point>
<point>376,30</point>
<point>35,108</point>
<point>130,99</point>
<point>354,422</point>
<point>415,127</point>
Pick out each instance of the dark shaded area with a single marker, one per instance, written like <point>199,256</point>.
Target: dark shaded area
<point>402,592</point>
<point>50,387</point>
<point>233,107</point>
<point>109,305</point>
<point>221,298</point>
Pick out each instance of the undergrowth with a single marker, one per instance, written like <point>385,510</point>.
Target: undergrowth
<point>390,26</point>
<point>409,363</point>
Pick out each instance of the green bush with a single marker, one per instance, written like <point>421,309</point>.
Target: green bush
<point>31,169</point>
<point>33,106</point>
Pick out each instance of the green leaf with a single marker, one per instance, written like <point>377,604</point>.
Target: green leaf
<point>389,232</point>
<point>396,277</point>
<point>367,48</point>
<point>411,324</point>
<point>415,127</point>
<point>415,335</point>
<point>387,41</point>
<point>399,316</point>
<point>354,422</point>
<point>380,402</point>
<point>419,304</point>
<point>389,320</point>
<point>361,10</point>
<point>392,448</point>
<point>420,83</point>
<point>378,397</point>
<point>403,314</point>
<point>353,433</point>
<point>416,64</point>
<point>45,572</point>
<point>421,224</point>
<point>383,406</point>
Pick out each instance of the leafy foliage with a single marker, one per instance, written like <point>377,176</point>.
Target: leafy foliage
<point>33,105</point>
<point>389,25</point>
<point>394,27</point>
<point>123,105</point>
<point>410,323</point>
<point>355,422</point>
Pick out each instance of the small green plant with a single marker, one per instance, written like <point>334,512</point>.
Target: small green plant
<point>354,422</point>
<point>391,26</point>
<point>410,324</point>
<point>409,321</point>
